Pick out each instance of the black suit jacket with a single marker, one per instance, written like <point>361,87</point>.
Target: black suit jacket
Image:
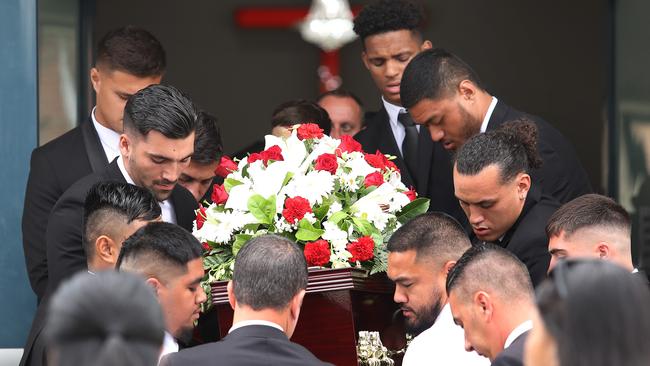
<point>527,238</point>
<point>513,355</point>
<point>561,175</point>
<point>34,352</point>
<point>54,167</point>
<point>246,346</point>
<point>433,178</point>
<point>65,253</point>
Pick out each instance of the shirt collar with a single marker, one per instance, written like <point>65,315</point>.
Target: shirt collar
<point>255,322</point>
<point>169,345</point>
<point>519,330</point>
<point>120,164</point>
<point>110,139</point>
<point>486,119</point>
<point>393,111</point>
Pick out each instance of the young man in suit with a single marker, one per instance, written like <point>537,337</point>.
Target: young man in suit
<point>170,260</point>
<point>493,185</point>
<point>157,144</point>
<point>492,299</point>
<point>444,95</point>
<point>112,212</point>
<point>128,59</point>
<point>420,254</point>
<point>266,293</point>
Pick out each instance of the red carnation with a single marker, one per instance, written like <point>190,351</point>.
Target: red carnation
<point>225,167</point>
<point>411,194</point>
<point>391,165</point>
<point>219,194</point>
<point>327,162</point>
<point>200,217</point>
<point>362,249</point>
<point>205,246</point>
<point>349,144</point>
<point>295,209</point>
<point>373,179</point>
<point>272,153</point>
<point>317,253</point>
<point>309,131</point>
<point>376,160</point>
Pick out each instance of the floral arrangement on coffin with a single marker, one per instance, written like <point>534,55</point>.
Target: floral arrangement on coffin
<point>338,202</point>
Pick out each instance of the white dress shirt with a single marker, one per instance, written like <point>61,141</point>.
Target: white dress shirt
<point>110,139</point>
<point>519,330</point>
<point>246,323</point>
<point>168,214</point>
<point>442,344</point>
<point>399,131</point>
<point>486,119</point>
<point>169,345</point>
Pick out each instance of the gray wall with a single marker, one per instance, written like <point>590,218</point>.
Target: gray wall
<point>544,57</point>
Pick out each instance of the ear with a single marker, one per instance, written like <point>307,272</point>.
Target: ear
<point>467,90</point>
<point>155,284</point>
<point>603,250</point>
<point>483,303</point>
<point>231,295</point>
<point>296,304</point>
<point>523,185</point>
<point>447,267</point>
<point>125,145</point>
<point>106,249</point>
<point>95,78</point>
<point>364,58</point>
<point>426,45</point>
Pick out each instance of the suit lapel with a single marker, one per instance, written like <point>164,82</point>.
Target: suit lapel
<point>112,172</point>
<point>425,155</point>
<point>498,116</point>
<point>184,206</point>
<point>388,145</point>
<point>93,146</point>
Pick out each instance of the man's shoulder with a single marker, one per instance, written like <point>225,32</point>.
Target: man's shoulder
<point>374,128</point>
<point>71,141</point>
<point>78,190</point>
<point>514,354</point>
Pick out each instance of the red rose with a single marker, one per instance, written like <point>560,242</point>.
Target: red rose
<point>295,209</point>
<point>362,249</point>
<point>349,144</point>
<point>205,246</point>
<point>373,179</point>
<point>219,194</point>
<point>391,165</point>
<point>317,253</point>
<point>309,131</point>
<point>327,162</point>
<point>411,194</point>
<point>200,217</point>
<point>376,160</point>
<point>225,167</point>
<point>254,157</point>
<point>272,153</point>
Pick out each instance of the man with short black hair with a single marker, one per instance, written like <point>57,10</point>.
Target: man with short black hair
<point>171,261</point>
<point>266,293</point>
<point>503,205</point>
<point>157,143</point>
<point>345,110</point>
<point>128,59</point>
<point>590,226</point>
<point>421,253</point>
<point>199,175</point>
<point>492,299</point>
<point>446,96</point>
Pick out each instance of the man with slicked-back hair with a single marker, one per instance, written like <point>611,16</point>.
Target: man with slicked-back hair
<point>157,143</point>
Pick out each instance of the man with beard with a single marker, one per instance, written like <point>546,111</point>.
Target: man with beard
<point>444,94</point>
<point>171,262</point>
<point>421,254</point>
<point>157,143</point>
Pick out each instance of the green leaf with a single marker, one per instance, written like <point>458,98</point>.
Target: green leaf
<point>262,209</point>
<point>414,208</point>
<point>287,179</point>
<point>240,240</point>
<point>307,231</point>
<point>363,226</point>
<point>230,182</point>
<point>337,217</point>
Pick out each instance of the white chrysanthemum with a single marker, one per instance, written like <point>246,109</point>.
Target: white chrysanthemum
<point>340,259</point>
<point>337,237</point>
<point>313,186</point>
<point>310,217</point>
<point>219,226</point>
<point>281,226</point>
<point>349,182</point>
<point>334,208</point>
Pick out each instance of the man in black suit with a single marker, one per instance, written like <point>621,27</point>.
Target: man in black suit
<point>266,293</point>
<point>492,299</point>
<point>157,144</point>
<point>128,59</point>
<point>503,205</point>
<point>112,212</point>
<point>391,37</point>
<point>444,94</point>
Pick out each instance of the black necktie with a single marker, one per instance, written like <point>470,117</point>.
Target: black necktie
<point>410,143</point>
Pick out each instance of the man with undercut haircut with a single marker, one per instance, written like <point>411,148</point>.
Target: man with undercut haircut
<point>171,262</point>
<point>590,226</point>
<point>445,95</point>
<point>266,293</point>
<point>157,144</point>
<point>492,299</point>
<point>127,59</point>
<point>503,205</point>
<point>198,177</point>
<point>390,32</point>
<point>421,253</point>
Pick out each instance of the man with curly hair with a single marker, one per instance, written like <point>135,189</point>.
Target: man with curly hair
<point>390,32</point>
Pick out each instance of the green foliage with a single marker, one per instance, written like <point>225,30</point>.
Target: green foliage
<point>307,231</point>
<point>262,209</point>
<point>416,207</point>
